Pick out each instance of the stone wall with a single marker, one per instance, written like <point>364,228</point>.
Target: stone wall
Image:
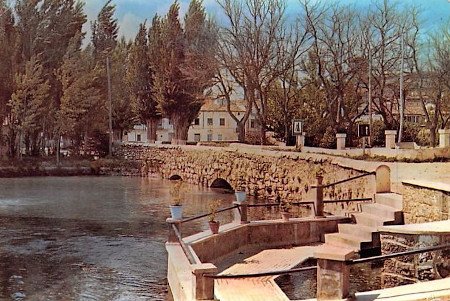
<point>425,202</point>
<point>413,268</point>
<point>260,174</point>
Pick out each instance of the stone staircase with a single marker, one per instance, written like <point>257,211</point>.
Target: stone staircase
<point>362,235</point>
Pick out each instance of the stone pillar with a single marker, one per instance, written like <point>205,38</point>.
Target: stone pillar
<point>390,138</point>
<point>340,140</point>
<point>383,179</point>
<point>444,138</point>
<point>203,287</point>
<point>333,279</point>
<point>172,235</point>
<point>240,213</point>
<point>300,141</point>
<point>318,202</point>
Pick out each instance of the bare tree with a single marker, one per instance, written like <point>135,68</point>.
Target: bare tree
<point>250,46</point>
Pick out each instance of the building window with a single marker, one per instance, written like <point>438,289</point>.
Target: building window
<point>219,137</point>
<point>209,121</point>
<point>209,137</point>
<point>197,121</point>
<point>252,123</point>
<point>138,137</point>
<point>222,121</point>
<point>196,137</point>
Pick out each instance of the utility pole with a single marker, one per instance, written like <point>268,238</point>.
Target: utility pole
<point>370,93</point>
<point>401,101</point>
<point>110,106</point>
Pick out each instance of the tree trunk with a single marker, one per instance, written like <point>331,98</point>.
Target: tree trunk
<point>181,127</point>
<point>58,150</point>
<point>152,124</point>
<point>433,137</point>
<point>263,134</point>
<point>241,131</point>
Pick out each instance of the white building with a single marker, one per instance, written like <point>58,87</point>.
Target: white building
<point>213,123</point>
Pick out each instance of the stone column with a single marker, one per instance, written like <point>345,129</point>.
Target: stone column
<point>390,138</point>
<point>332,279</point>
<point>444,138</point>
<point>300,141</point>
<point>240,213</point>
<point>203,287</point>
<point>340,140</point>
<point>172,235</point>
<point>318,202</point>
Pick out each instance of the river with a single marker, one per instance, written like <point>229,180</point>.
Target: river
<point>89,238</point>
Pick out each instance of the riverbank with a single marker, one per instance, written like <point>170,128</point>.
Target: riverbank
<point>41,167</point>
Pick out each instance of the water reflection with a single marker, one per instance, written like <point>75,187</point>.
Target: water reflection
<point>89,238</point>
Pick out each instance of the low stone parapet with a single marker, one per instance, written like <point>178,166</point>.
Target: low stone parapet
<point>425,201</point>
<point>410,269</point>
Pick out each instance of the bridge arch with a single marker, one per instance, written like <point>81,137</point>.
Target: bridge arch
<point>175,177</point>
<point>221,183</point>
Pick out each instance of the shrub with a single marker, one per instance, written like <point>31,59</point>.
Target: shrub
<point>329,138</point>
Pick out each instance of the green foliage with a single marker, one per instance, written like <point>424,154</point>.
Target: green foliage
<point>186,68</point>
<point>329,138</point>
<point>104,32</point>
<point>423,137</point>
<point>139,75</point>
<point>123,115</point>
<point>410,132</point>
<point>378,135</point>
<point>81,106</point>
<point>28,100</point>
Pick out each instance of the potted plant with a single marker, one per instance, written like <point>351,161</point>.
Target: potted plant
<point>213,224</point>
<point>285,209</point>
<point>176,192</point>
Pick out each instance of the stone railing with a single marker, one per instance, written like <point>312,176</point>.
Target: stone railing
<point>197,255</point>
<point>425,201</point>
<point>419,267</point>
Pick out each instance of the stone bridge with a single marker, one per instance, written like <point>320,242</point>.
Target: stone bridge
<point>260,171</point>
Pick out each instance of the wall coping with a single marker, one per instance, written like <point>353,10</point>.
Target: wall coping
<point>441,186</point>
<point>431,228</point>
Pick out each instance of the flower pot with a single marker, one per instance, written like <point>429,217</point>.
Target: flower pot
<point>176,211</point>
<point>241,196</point>
<point>285,216</point>
<point>214,226</point>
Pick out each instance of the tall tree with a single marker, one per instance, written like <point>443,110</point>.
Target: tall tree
<point>140,77</point>
<point>250,48</point>
<point>28,104</point>
<point>7,61</point>
<point>184,72</point>
<point>104,32</point>
<point>122,113</point>
<point>42,23</point>
<point>79,113</point>
<point>104,41</point>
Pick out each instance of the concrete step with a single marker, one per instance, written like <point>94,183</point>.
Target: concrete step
<point>370,220</point>
<point>394,216</point>
<point>346,241</point>
<point>364,232</point>
<point>382,211</point>
<point>393,200</point>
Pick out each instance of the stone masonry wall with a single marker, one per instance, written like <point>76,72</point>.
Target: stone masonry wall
<point>421,204</point>
<point>260,175</point>
<point>413,268</point>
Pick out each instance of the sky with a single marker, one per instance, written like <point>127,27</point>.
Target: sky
<point>131,13</point>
